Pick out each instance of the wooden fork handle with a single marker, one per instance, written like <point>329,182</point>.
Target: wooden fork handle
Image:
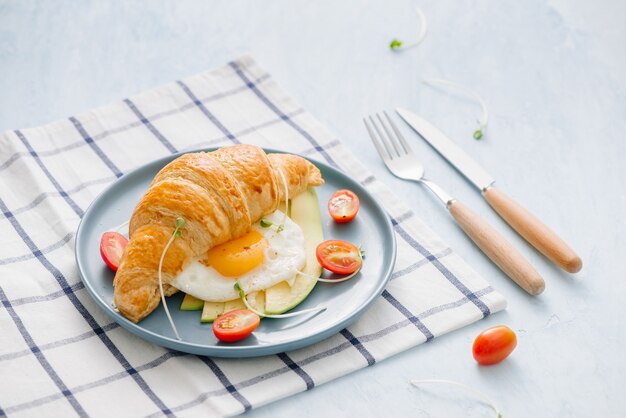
<point>497,248</point>
<point>533,230</point>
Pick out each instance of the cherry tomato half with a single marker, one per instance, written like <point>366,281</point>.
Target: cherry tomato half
<point>494,345</point>
<point>338,256</point>
<point>235,325</point>
<point>112,247</point>
<point>343,205</point>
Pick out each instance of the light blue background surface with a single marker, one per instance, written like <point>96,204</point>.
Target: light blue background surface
<point>554,77</point>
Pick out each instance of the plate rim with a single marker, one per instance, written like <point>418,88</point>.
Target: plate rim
<point>231,351</point>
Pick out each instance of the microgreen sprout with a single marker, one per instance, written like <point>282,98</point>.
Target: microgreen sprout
<point>180,224</point>
<point>464,386</point>
<point>119,227</point>
<point>397,44</point>
<point>242,295</point>
<point>282,176</point>
<point>321,279</point>
<point>482,123</point>
<point>267,224</point>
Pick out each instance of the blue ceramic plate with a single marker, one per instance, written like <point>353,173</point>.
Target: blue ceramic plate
<point>345,301</point>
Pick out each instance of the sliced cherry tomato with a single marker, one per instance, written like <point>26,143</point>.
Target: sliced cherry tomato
<point>343,205</point>
<point>338,256</point>
<point>112,247</point>
<point>235,325</point>
<point>494,345</point>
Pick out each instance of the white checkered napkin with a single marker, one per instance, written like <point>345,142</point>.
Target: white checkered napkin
<point>61,356</point>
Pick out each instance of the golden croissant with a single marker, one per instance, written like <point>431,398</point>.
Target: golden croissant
<point>220,195</point>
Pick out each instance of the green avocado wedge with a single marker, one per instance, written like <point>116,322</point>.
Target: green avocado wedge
<point>191,303</point>
<point>305,212</point>
<point>211,310</point>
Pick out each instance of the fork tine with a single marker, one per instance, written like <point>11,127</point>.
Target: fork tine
<point>392,140</point>
<point>383,154</point>
<point>381,138</point>
<point>405,145</point>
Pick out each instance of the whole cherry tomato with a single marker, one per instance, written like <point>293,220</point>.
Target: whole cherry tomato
<point>494,345</point>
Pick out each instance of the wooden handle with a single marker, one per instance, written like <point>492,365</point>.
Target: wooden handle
<point>497,248</point>
<point>533,230</point>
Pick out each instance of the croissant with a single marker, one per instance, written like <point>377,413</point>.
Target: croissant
<point>220,195</point>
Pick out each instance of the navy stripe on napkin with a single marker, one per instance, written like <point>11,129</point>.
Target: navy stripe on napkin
<point>84,312</point>
<point>298,370</point>
<point>89,140</point>
<point>39,355</point>
<point>443,269</point>
<point>207,113</point>
<point>252,86</point>
<point>54,182</point>
<point>150,126</point>
<point>226,383</point>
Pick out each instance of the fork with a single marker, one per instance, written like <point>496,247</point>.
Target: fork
<point>400,160</point>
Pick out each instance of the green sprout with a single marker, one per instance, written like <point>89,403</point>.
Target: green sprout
<point>180,224</point>
<point>397,45</point>
<point>464,91</point>
<point>476,392</point>
<point>266,224</point>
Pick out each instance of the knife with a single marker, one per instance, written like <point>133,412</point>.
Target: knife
<point>546,241</point>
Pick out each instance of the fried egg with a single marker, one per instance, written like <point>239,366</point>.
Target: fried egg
<point>258,260</point>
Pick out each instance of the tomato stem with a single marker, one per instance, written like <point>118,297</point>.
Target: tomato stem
<point>476,392</point>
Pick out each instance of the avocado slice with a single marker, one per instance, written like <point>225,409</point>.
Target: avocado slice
<point>234,304</point>
<point>191,303</point>
<point>305,212</point>
<point>211,311</point>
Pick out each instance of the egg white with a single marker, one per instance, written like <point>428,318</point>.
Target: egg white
<point>283,258</point>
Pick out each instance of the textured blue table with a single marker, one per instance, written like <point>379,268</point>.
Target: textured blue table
<point>554,76</point>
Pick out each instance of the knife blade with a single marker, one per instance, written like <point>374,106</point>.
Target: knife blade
<point>520,219</point>
<point>448,149</point>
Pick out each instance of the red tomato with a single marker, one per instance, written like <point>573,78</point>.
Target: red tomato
<point>343,205</point>
<point>235,325</point>
<point>112,247</point>
<point>340,257</point>
<point>494,345</point>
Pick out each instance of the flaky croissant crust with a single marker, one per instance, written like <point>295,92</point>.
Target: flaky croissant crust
<point>219,195</point>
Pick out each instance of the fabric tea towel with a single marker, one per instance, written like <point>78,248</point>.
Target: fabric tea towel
<point>62,356</point>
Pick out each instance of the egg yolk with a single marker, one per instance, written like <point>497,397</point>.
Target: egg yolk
<point>238,256</point>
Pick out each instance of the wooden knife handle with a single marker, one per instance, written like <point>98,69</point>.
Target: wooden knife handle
<point>533,230</point>
<point>497,248</point>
